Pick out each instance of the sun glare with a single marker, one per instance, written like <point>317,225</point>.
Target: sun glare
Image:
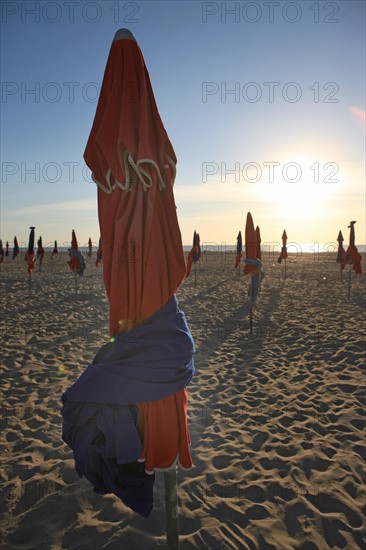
<point>299,188</point>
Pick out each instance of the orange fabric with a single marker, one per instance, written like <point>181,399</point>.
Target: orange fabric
<point>143,260</point>
<point>251,245</point>
<point>283,255</point>
<point>354,257</point>
<point>74,262</point>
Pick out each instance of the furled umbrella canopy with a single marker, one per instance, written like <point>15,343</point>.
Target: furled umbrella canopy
<point>77,261</point>
<point>30,255</point>
<point>253,264</point>
<point>283,254</point>
<point>353,257</point>
<point>239,249</point>
<point>90,248</point>
<point>341,254</point>
<point>40,251</point>
<point>15,248</point>
<point>194,253</point>
<point>2,252</point>
<point>54,251</point>
<point>7,249</point>
<point>142,374</point>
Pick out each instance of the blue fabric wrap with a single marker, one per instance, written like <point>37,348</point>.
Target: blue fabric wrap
<point>146,363</point>
<point>255,279</point>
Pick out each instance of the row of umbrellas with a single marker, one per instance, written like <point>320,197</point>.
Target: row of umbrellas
<point>137,382</point>
<point>5,253</point>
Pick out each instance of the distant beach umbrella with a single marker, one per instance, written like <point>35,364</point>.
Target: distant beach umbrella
<point>54,251</point>
<point>2,252</point>
<point>7,250</point>
<point>253,264</point>
<point>239,250</point>
<point>197,243</point>
<point>40,251</point>
<point>193,256</point>
<point>99,253</point>
<point>90,248</point>
<point>15,248</point>
<point>283,254</point>
<point>341,255</point>
<point>30,256</point>
<point>133,163</point>
<point>77,261</point>
<point>353,257</point>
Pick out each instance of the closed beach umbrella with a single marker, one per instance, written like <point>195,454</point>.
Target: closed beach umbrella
<point>142,373</point>
<point>239,249</point>
<point>16,248</point>
<point>90,248</point>
<point>341,254</point>
<point>30,255</point>
<point>194,253</point>
<point>2,253</point>
<point>7,249</point>
<point>283,254</point>
<point>54,251</point>
<point>40,251</point>
<point>253,264</point>
<point>77,261</point>
<point>353,257</point>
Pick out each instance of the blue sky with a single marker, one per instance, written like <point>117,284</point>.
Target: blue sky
<point>287,143</point>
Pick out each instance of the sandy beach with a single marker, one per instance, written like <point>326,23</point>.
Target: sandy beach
<point>276,416</point>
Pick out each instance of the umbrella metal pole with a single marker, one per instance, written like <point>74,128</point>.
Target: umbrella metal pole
<point>195,274</point>
<point>285,269</point>
<point>171,509</point>
<point>349,282</point>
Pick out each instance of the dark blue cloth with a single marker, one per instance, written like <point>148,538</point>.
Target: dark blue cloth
<point>146,363</point>
<point>255,279</point>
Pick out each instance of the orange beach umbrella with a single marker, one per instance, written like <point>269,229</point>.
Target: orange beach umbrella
<point>239,249</point>
<point>30,255</point>
<point>353,257</point>
<point>194,253</point>
<point>90,248</point>
<point>76,262</point>
<point>283,254</point>
<point>40,251</point>
<point>16,248</point>
<point>133,164</point>
<point>54,251</point>
<point>341,254</point>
